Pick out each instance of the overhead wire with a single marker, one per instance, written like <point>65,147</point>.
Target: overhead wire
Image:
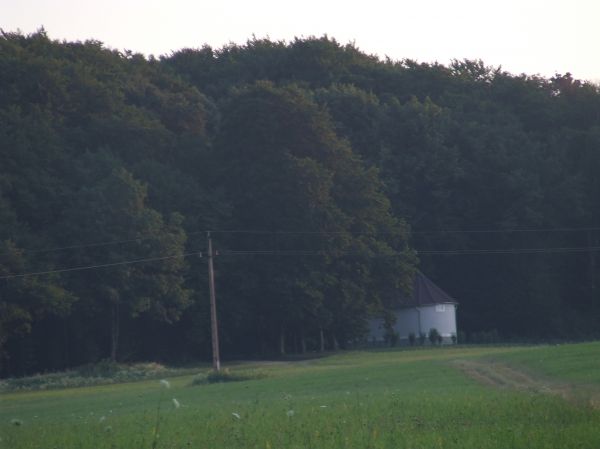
<point>275,232</point>
<point>582,249</point>
<point>430,231</point>
<point>400,253</point>
<point>105,265</point>
<point>97,244</point>
<point>504,231</point>
<point>301,252</point>
<point>550,250</point>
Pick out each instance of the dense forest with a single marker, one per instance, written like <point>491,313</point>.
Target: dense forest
<point>326,176</point>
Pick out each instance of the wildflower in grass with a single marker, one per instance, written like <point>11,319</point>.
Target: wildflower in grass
<point>102,418</point>
<point>236,415</point>
<point>16,422</point>
<point>322,406</point>
<point>290,413</point>
<point>164,383</point>
<point>176,403</point>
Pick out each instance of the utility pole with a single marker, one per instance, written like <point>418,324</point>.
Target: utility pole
<point>213,308</point>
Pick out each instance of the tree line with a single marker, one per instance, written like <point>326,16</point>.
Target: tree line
<point>326,175</point>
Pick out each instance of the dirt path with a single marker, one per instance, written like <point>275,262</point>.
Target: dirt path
<point>499,375</point>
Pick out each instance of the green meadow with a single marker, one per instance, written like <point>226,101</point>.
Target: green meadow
<point>459,397</point>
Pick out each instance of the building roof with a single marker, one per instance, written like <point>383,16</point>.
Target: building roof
<point>425,292</point>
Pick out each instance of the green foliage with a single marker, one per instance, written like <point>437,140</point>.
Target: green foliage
<point>434,336</point>
<point>105,372</point>
<point>391,338</point>
<point>340,164</point>
<point>285,169</point>
<point>227,375</point>
<point>412,338</point>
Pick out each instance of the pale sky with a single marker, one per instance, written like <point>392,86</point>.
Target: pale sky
<point>527,36</point>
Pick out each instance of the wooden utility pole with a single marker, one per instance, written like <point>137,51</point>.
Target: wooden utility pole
<point>213,308</point>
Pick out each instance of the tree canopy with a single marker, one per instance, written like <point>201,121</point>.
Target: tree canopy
<point>326,175</point>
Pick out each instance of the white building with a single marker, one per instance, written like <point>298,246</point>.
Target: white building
<point>429,307</point>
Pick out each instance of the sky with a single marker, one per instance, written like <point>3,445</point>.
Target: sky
<point>537,37</point>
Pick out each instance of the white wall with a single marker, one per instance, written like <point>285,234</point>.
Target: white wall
<point>441,317</point>
<point>416,320</point>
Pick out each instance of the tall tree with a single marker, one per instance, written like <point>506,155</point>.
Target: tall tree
<point>286,171</point>
<point>113,209</point>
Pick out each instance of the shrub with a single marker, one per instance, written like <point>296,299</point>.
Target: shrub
<point>422,338</point>
<point>102,373</point>
<point>225,375</point>
<point>392,337</point>
<point>453,337</point>
<point>434,336</point>
<point>412,338</point>
<point>104,368</point>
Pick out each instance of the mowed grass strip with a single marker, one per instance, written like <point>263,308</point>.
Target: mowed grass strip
<point>570,362</point>
<point>571,371</point>
<point>380,399</point>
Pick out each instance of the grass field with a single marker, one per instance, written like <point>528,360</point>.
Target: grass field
<point>462,397</point>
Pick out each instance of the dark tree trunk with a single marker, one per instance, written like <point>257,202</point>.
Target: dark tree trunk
<point>282,341</point>
<point>592,242</point>
<point>114,331</point>
<point>67,361</point>
<point>322,340</point>
<point>302,342</point>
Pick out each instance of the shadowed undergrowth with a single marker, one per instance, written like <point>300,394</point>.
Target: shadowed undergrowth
<point>102,373</point>
<point>227,375</point>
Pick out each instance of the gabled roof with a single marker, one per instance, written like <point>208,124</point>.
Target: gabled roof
<point>425,293</point>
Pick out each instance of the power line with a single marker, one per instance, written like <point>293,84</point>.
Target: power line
<point>430,231</point>
<point>105,265</point>
<point>97,244</point>
<point>398,253</point>
<point>291,253</point>
<point>275,232</point>
<point>505,231</point>
<point>583,249</point>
